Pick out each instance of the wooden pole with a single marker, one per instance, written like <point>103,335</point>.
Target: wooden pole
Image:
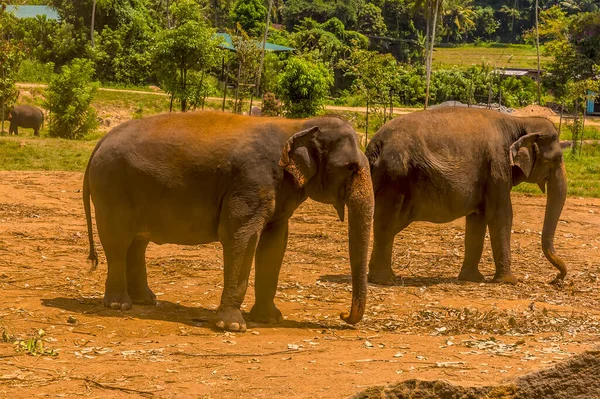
<point>537,45</point>
<point>430,58</point>
<point>93,21</point>
<point>264,45</point>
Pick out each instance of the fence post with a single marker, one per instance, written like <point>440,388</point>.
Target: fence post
<point>562,108</point>
<point>367,125</point>
<point>391,105</point>
<point>470,91</point>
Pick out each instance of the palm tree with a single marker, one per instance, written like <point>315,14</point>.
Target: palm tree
<point>460,17</point>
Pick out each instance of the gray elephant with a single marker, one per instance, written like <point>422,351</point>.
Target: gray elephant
<point>440,165</point>
<point>201,177</point>
<point>26,116</point>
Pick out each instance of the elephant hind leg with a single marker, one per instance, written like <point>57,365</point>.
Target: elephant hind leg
<point>116,241</point>
<point>474,238</point>
<point>389,220</point>
<point>137,279</point>
<point>269,256</point>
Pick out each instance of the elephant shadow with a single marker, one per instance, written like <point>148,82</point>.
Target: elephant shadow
<point>413,281</point>
<point>171,312</point>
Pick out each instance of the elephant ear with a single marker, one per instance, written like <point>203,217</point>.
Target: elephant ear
<point>523,153</point>
<point>298,156</point>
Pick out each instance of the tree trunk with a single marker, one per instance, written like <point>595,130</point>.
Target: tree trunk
<point>430,55</point>
<point>93,21</point>
<point>537,46</point>
<point>262,54</point>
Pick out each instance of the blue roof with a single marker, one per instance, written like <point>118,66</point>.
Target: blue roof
<point>33,11</point>
<point>228,44</point>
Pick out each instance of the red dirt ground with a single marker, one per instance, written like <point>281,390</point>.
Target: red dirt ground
<point>430,326</point>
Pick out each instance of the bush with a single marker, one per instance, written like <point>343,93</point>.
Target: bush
<point>270,105</point>
<point>68,99</point>
<point>303,86</point>
<point>34,71</point>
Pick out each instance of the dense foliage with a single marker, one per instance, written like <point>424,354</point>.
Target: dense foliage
<point>68,99</point>
<point>303,86</point>
<point>363,50</point>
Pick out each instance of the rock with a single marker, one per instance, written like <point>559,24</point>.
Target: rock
<point>576,378</point>
<point>256,111</point>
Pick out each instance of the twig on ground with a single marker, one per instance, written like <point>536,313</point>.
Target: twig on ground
<point>288,351</point>
<point>146,394</point>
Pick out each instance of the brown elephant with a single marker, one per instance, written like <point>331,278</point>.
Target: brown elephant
<point>201,177</point>
<point>446,163</point>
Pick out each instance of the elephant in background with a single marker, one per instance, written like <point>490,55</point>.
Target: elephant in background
<point>26,116</point>
<point>201,177</point>
<point>442,164</point>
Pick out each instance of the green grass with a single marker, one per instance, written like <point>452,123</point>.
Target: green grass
<point>34,153</point>
<point>494,54</point>
<point>149,103</point>
<point>589,133</point>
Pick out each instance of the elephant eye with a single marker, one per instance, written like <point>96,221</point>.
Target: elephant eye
<point>352,166</point>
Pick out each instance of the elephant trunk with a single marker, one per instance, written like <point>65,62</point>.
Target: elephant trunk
<point>360,203</point>
<point>557,193</point>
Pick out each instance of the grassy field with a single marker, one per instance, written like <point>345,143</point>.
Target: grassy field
<point>494,54</point>
<point>33,153</point>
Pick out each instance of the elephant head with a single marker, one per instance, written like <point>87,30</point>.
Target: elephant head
<point>326,162</point>
<point>537,158</point>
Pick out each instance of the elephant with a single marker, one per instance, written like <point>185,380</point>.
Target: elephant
<point>442,164</point>
<point>202,177</point>
<point>26,116</point>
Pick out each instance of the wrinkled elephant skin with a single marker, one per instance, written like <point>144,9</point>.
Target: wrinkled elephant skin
<point>443,164</point>
<point>201,177</point>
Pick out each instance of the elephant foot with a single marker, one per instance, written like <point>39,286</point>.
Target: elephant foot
<point>471,275</point>
<point>117,300</point>
<point>505,278</point>
<point>268,314</point>
<point>385,277</point>
<point>229,319</point>
<point>144,296</point>
<point>558,281</point>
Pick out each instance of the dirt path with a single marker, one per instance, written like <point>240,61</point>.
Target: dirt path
<point>429,327</point>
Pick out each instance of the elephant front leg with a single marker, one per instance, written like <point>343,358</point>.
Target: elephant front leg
<point>269,256</point>
<point>388,221</point>
<point>474,238</point>
<point>238,252</point>
<point>500,224</point>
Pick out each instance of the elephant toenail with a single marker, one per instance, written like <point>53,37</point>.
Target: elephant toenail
<point>125,306</point>
<point>220,324</point>
<point>115,305</point>
<point>235,326</point>
<point>243,328</point>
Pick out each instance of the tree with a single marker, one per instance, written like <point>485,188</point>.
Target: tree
<point>11,54</point>
<point>459,19</point>
<point>68,99</point>
<point>303,86</point>
<point>370,21</point>
<point>485,22</point>
<point>189,46</point>
<point>249,14</point>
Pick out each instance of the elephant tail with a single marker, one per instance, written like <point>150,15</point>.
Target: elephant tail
<point>88,216</point>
